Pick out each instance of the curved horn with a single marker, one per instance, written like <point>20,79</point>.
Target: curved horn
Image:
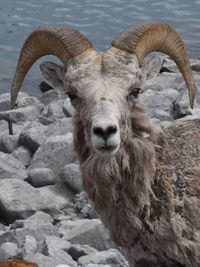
<point>56,40</point>
<point>150,37</point>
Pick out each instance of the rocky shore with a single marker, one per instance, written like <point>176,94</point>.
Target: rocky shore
<point>45,216</point>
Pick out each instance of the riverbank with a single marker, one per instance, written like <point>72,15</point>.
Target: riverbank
<point>45,215</point>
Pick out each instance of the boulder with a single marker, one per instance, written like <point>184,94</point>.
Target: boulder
<point>19,199</point>
<point>52,243</point>
<point>23,155</point>
<point>52,95</point>
<point>68,109</point>
<point>61,126</point>
<point>86,232</point>
<point>33,135</point>
<point>8,143</point>
<point>71,176</point>
<point>10,167</point>
<point>112,257</point>
<point>29,245</point>
<point>53,111</point>
<point>39,177</point>
<point>8,250</point>
<point>54,153</point>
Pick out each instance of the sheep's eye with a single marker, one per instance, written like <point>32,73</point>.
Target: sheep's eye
<point>135,91</point>
<point>72,96</point>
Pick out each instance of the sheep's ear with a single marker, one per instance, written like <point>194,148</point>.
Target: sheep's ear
<point>53,74</point>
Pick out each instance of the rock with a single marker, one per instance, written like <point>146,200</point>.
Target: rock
<point>8,250</point>
<point>161,104</point>
<point>61,126</point>
<point>30,245</point>
<point>52,243</point>
<point>112,257</point>
<point>19,200</point>
<point>44,87</point>
<point>163,82</point>
<point>23,155</point>
<point>97,265</point>
<point>27,113</point>
<point>7,236</point>
<point>39,177</point>
<point>10,167</point>
<point>41,260</point>
<point>51,96</point>
<point>86,232</point>
<point>62,257</point>
<point>84,207</point>
<point>71,176</point>
<point>77,251</point>
<point>55,153</point>
<point>8,143</point>
<point>68,109</point>
<point>5,100</point>
<point>53,110</point>
<point>33,135</point>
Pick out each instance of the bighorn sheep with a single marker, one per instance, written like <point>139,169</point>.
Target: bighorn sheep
<point>147,192</point>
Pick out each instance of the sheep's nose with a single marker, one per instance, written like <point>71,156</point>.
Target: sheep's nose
<point>105,133</point>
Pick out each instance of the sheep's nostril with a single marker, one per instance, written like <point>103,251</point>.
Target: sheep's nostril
<point>111,130</point>
<point>98,131</point>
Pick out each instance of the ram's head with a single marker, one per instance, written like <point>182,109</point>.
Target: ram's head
<point>103,87</point>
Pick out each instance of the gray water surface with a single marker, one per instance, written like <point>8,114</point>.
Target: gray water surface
<point>99,20</point>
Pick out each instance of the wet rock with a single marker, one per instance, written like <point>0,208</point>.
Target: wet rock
<point>41,177</point>
<point>33,135</point>
<point>68,109</point>
<point>10,167</point>
<point>18,199</point>
<point>8,250</point>
<point>112,257</point>
<point>8,143</point>
<point>54,153</point>
<point>86,232</point>
<point>23,155</point>
<point>71,176</point>
<point>51,96</point>
<point>77,251</point>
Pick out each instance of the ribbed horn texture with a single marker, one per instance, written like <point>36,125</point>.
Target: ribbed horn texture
<point>56,40</point>
<point>146,38</point>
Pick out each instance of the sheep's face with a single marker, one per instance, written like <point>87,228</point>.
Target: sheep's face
<point>103,90</point>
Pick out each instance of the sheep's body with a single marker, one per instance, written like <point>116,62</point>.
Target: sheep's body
<point>145,192</point>
<point>149,195</point>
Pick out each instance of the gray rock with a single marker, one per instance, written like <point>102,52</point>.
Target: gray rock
<point>18,199</point>
<point>53,110</point>
<point>41,260</point>
<point>68,109</point>
<point>55,153</point>
<point>112,257</point>
<point>86,232</point>
<point>71,176</point>
<point>8,250</point>
<point>10,167</point>
<point>5,100</point>
<point>8,143</point>
<point>61,126</point>
<point>77,251</point>
<point>28,113</point>
<point>52,243</point>
<point>98,265</point>
<point>41,177</point>
<point>33,135</point>
<point>23,155</point>
<point>7,236</point>
<point>84,207</point>
<point>51,96</point>
<point>161,104</point>
<point>62,257</point>
<point>30,245</point>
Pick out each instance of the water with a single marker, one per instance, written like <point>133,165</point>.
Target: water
<point>99,20</point>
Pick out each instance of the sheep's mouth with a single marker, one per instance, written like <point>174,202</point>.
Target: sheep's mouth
<point>107,150</point>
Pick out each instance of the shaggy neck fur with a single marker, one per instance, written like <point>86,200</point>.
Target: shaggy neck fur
<point>120,188</point>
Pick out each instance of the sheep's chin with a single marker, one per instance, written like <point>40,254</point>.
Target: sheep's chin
<point>106,151</point>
